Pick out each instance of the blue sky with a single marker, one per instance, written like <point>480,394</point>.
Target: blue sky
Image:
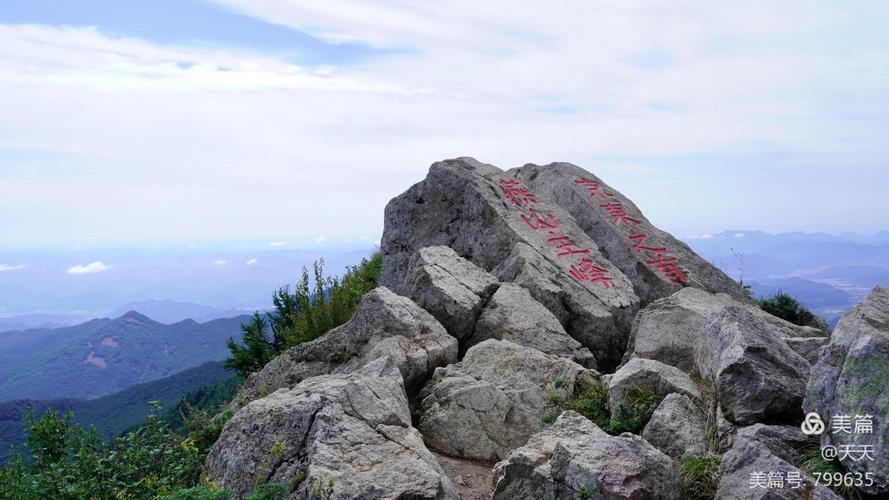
<point>144,122</point>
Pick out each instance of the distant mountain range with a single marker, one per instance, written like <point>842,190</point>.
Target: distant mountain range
<point>827,273</point>
<point>115,413</point>
<point>103,356</point>
<point>171,311</point>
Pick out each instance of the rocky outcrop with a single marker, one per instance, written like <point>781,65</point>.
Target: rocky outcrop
<point>450,287</point>
<point>657,263</point>
<point>758,377</point>
<point>784,441</point>
<point>384,324</point>
<point>349,430</point>
<point>483,213</point>
<point>647,374</point>
<point>513,315</point>
<point>493,400</point>
<point>574,459</point>
<point>670,329</point>
<point>852,379</point>
<point>677,427</point>
<point>744,475</point>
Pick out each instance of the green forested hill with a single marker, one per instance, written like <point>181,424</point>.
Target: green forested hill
<point>117,412</point>
<point>104,356</point>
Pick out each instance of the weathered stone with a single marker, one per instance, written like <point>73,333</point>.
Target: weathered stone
<point>513,315</point>
<point>384,324</point>
<point>574,459</point>
<point>353,429</point>
<point>473,208</point>
<point>748,457</point>
<point>669,329</point>
<point>852,378</point>
<point>647,374</point>
<point>808,347</point>
<point>758,377</point>
<point>657,263</point>
<point>493,400</point>
<point>677,427</point>
<point>450,287</point>
<point>784,441</point>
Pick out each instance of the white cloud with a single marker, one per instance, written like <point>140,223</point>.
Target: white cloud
<point>10,267</point>
<point>505,82</point>
<point>278,243</point>
<point>220,262</point>
<point>252,262</point>
<point>740,235</point>
<point>93,267</point>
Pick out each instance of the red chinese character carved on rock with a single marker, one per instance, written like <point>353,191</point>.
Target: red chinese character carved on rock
<point>639,239</point>
<point>592,187</point>
<point>669,267</point>
<point>515,193</point>
<point>589,271</point>
<point>564,245</point>
<point>619,214</point>
<point>538,221</point>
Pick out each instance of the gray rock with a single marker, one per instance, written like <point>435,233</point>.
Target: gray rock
<point>657,263</point>
<point>677,427</point>
<point>852,378</point>
<point>748,457</point>
<point>784,441</point>
<point>353,429</point>
<point>647,374</point>
<point>482,213</point>
<point>450,287</point>
<point>758,377</point>
<point>384,324</point>
<point>493,400</point>
<point>669,329</point>
<point>574,459</point>
<point>513,315</point>
<point>808,347</point>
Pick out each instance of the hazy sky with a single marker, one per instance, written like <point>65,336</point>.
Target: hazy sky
<point>289,120</point>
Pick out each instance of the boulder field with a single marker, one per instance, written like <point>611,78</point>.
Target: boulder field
<point>534,324</point>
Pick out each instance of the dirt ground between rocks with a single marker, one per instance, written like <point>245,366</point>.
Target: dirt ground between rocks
<point>472,479</point>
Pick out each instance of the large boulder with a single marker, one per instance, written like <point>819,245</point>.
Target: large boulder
<point>852,379</point>
<point>575,459</point>
<point>384,324</point>
<point>483,213</point>
<point>513,315</point>
<point>787,442</point>
<point>493,400</point>
<point>352,429</point>
<point>677,427</point>
<point>657,263</point>
<point>670,329</point>
<point>647,374</point>
<point>744,475</point>
<point>758,377</point>
<point>450,287</point>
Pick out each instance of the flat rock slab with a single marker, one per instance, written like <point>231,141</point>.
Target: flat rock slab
<point>513,315</point>
<point>758,377</point>
<point>450,287</point>
<point>384,324</point>
<point>352,429</point>
<point>657,263</point>
<point>483,213</point>
<point>852,379</point>
<point>493,400</point>
<point>573,459</point>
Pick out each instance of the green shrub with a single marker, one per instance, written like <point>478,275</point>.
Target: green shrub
<point>270,491</point>
<point>811,461</point>
<point>200,492</point>
<point>699,475</point>
<point>789,309</point>
<point>593,404</point>
<point>303,315</point>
